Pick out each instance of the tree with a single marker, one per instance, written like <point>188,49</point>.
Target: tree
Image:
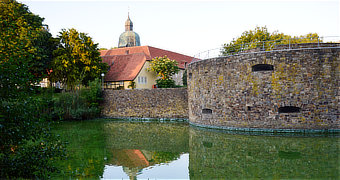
<point>25,137</point>
<point>164,68</point>
<point>260,37</point>
<point>77,59</point>
<point>45,45</point>
<point>21,55</point>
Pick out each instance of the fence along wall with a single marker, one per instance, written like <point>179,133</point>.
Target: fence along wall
<point>146,103</point>
<point>289,89</point>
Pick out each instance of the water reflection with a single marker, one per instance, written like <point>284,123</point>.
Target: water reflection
<point>222,155</point>
<point>111,150</point>
<point>136,146</point>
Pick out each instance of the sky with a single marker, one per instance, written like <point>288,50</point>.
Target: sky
<point>187,26</point>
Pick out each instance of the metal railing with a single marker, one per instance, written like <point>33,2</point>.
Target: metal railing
<point>273,45</point>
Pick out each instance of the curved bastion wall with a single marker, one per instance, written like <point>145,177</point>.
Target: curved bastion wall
<point>278,90</point>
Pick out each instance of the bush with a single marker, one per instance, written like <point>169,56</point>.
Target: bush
<point>27,146</point>
<point>165,83</point>
<point>28,149</point>
<point>79,105</point>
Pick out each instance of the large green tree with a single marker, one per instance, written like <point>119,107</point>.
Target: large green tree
<point>26,145</point>
<point>45,45</point>
<point>25,48</point>
<point>77,59</point>
<point>260,37</point>
<point>164,68</point>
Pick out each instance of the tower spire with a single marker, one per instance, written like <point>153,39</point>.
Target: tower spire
<point>128,24</point>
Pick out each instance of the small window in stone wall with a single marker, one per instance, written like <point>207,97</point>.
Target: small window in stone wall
<point>262,67</point>
<point>289,109</point>
<point>206,111</point>
<point>190,75</point>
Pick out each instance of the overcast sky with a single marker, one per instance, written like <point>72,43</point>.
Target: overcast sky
<point>187,27</point>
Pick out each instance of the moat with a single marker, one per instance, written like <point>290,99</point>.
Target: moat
<point>116,149</point>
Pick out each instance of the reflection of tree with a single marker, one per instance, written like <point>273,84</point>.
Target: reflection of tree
<point>164,157</point>
<point>86,152</point>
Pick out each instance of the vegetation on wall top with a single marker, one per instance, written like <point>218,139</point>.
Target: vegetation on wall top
<point>260,37</point>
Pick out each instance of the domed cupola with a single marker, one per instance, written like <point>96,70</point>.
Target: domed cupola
<point>129,38</point>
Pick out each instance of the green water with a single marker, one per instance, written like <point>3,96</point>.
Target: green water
<point>105,149</point>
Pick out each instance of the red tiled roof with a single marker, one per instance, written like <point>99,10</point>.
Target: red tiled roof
<point>150,52</point>
<point>125,67</point>
<point>130,60</point>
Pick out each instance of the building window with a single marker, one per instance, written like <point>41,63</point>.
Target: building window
<point>142,80</point>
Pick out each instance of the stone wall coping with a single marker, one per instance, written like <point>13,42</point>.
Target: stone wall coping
<point>273,131</point>
<point>144,119</point>
<point>261,52</point>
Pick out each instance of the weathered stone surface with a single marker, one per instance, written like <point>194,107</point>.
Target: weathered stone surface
<point>306,80</point>
<point>146,103</point>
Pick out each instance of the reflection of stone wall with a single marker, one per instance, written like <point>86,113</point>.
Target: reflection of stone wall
<point>146,103</point>
<point>217,155</point>
<point>165,137</point>
<point>229,92</point>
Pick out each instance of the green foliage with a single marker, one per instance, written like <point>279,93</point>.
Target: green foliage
<point>45,45</point>
<point>260,37</point>
<point>27,148</point>
<point>26,142</point>
<point>164,67</point>
<point>79,105</point>
<point>165,83</point>
<point>25,50</point>
<point>77,59</point>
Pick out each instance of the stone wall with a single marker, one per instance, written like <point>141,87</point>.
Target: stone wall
<point>146,103</point>
<point>288,89</point>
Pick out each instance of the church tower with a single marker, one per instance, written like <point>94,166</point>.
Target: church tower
<point>129,38</point>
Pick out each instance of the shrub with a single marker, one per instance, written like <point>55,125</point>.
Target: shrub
<point>165,83</point>
<point>79,105</point>
<point>26,142</point>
